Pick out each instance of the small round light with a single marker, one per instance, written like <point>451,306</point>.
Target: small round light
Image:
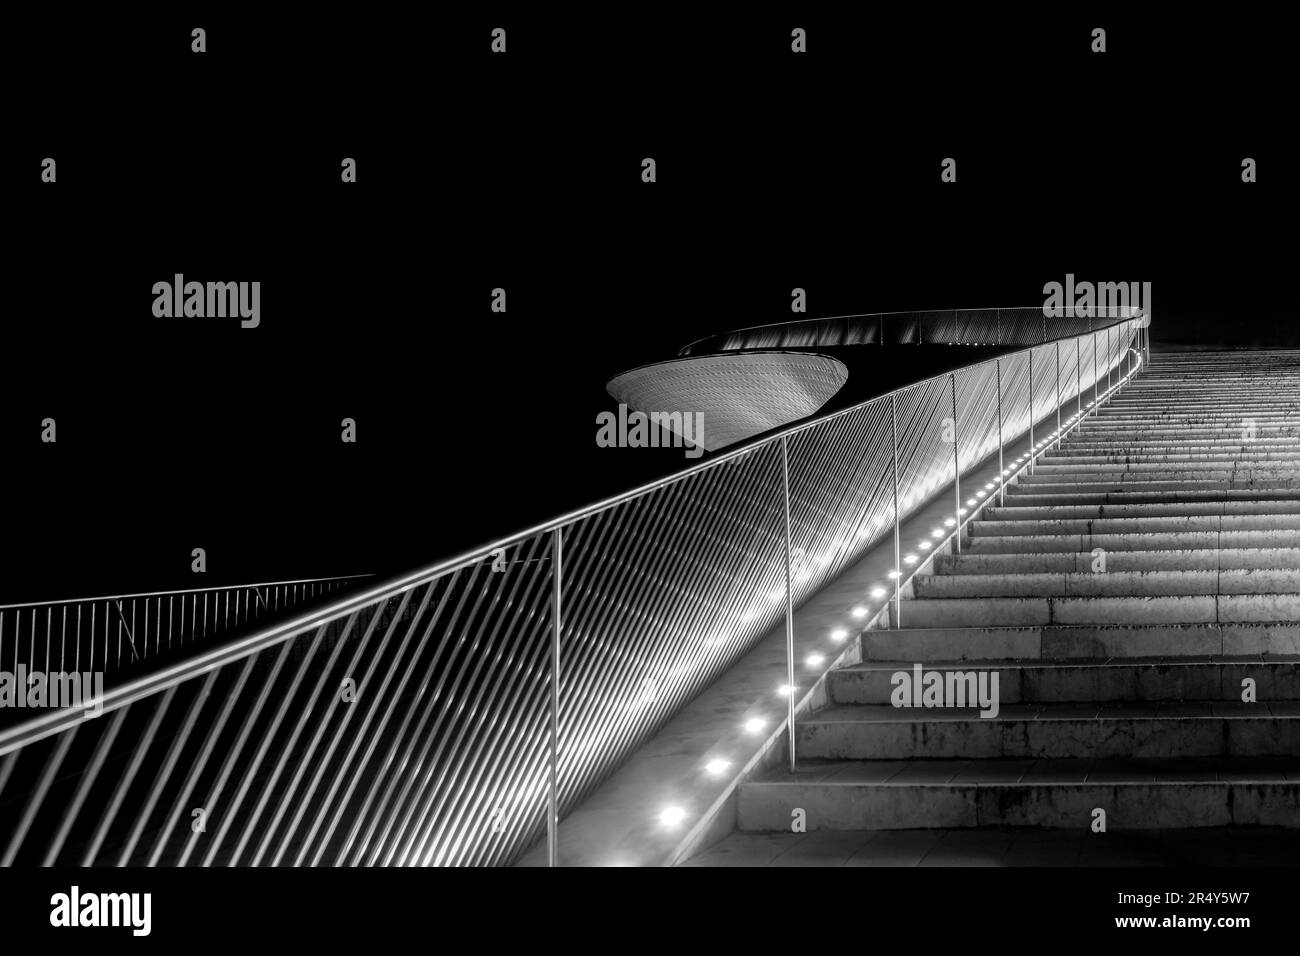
<point>923,545</point>
<point>839,634</point>
<point>671,816</point>
<point>815,660</point>
<point>937,533</point>
<point>859,612</point>
<point>755,724</point>
<point>893,574</point>
<point>949,522</point>
<point>877,592</point>
<point>716,767</point>
<point>785,690</point>
<point>910,559</point>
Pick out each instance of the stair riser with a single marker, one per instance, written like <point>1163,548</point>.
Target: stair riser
<point>1205,559</point>
<point>1077,643</point>
<point>1151,541</point>
<point>1113,738</point>
<point>1119,611</point>
<point>1105,683</point>
<point>1111,583</point>
<point>770,807</point>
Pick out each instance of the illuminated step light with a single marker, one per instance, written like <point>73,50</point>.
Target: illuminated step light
<point>717,767</point>
<point>980,493</point>
<point>949,522</point>
<point>877,592</point>
<point>815,660</point>
<point>990,486</point>
<point>971,502</point>
<point>755,724</point>
<point>785,690</point>
<point>910,559</point>
<point>893,575</point>
<point>961,511</point>
<point>936,533</point>
<point>671,816</point>
<point>923,545</point>
<point>839,634</point>
<point>859,612</point>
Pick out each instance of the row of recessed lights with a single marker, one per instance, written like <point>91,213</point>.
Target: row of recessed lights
<point>673,815</point>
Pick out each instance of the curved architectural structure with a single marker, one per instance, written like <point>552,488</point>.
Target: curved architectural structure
<point>739,395</point>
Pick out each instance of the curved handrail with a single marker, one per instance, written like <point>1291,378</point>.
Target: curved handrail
<point>202,663</point>
<point>463,670</point>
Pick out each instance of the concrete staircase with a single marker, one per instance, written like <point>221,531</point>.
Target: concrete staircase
<point>1126,592</point>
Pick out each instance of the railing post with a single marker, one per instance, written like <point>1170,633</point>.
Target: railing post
<point>789,601</point>
<point>553,793</point>
<point>1078,380</point>
<point>898,563</point>
<point>1002,478</point>
<point>956,468</point>
<point>1031,412</point>
<point>1110,364</point>
<point>1058,394</point>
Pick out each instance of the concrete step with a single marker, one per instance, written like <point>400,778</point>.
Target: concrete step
<point>1121,525</point>
<point>1110,583</point>
<point>1042,611</point>
<point>1148,541</point>
<point>1164,680</point>
<point>892,795</point>
<point>1032,497</point>
<point>1205,559</point>
<point>1079,642</point>
<point>1164,509</point>
<point>1053,731</point>
<point>1082,485</point>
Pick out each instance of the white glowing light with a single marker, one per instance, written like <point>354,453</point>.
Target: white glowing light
<point>839,634</point>
<point>671,816</point>
<point>970,502</point>
<point>910,559</point>
<point>815,660</point>
<point>785,690</point>
<point>859,612</point>
<point>877,592</point>
<point>893,574</point>
<point>755,724</point>
<point>936,533</point>
<point>923,545</point>
<point>989,487</point>
<point>716,767</point>
<point>962,511</point>
<point>949,522</point>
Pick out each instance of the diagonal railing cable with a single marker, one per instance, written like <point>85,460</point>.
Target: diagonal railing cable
<point>453,715</point>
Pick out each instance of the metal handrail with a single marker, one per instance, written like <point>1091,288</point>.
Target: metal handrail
<point>644,573</point>
<point>150,594</point>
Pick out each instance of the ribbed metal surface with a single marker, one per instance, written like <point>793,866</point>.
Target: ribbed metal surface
<point>1024,325</point>
<point>410,723</point>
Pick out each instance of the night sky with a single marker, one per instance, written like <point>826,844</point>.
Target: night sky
<point>523,172</point>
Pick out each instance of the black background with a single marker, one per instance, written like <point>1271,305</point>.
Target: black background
<point>523,171</point>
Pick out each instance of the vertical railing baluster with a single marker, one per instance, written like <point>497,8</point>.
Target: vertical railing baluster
<point>898,564</point>
<point>1058,394</point>
<point>1032,455</point>
<point>956,470</point>
<point>789,600</point>
<point>553,794</point>
<point>1002,478</point>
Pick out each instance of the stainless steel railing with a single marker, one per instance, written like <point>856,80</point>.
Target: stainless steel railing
<point>453,715</point>
<point>105,633</point>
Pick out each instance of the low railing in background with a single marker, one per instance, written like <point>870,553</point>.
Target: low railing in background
<point>1023,325</point>
<point>105,633</point>
<point>453,715</point>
